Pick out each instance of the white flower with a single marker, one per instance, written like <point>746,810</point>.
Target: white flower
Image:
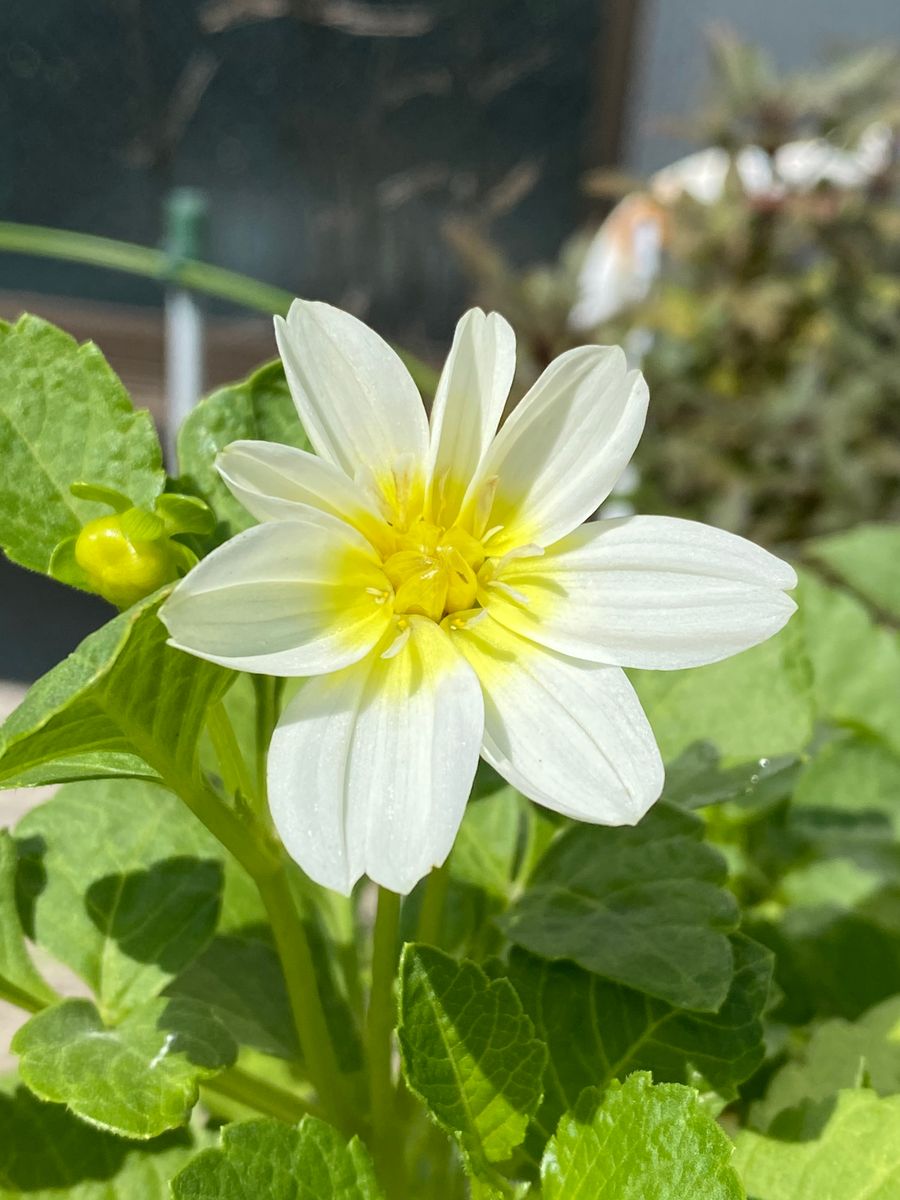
<point>441,590</point>
<point>622,262</point>
<point>625,255</point>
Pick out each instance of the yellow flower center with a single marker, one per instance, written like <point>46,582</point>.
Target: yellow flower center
<point>433,570</point>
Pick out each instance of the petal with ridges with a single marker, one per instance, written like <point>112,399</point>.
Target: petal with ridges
<point>370,769</point>
<point>278,483</point>
<point>287,598</point>
<point>357,401</point>
<point>561,451</point>
<point>652,592</point>
<point>570,735</point>
<point>467,407</point>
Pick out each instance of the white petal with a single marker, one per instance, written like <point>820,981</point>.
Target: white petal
<point>279,483</point>
<point>570,735</point>
<point>561,451</point>
<point>701,175</point>
<point>357,401</point>
<point>370,769</point>
<point>654,592</point>
<point>468,404</point>
<point>289,598</point>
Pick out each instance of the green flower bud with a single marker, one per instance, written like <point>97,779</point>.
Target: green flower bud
<point>130,554</point>
<point>119,566</point>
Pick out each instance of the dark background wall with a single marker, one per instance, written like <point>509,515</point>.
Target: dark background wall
<point>334,137</point>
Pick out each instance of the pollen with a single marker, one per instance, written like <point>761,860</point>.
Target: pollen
<point>434,571</point>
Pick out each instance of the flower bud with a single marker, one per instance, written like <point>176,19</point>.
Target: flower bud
<point>122,567</point>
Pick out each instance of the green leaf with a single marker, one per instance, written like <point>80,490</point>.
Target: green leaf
<point>64,566</point>
<point>122,883</point>
<point>755,705</point>
<point>830,863</point>
<point>840,1054</point>
<point>642,1142</point>
<point>46,1154</point>
<point>64,417</point>
<point>485,848</point>
<point>265,1160</point>
<point>643,906</point>
<point>258,408</point>
<point>620,1030</point>
<point>868,559</point>
<point>696,779</point>
<point>137,1077</point>
<point>123,704</point>
<point>836,939</point>
<point>107,496</point>
<point>846,1149</point>
<point>856,663</point>
<point>469,1052</point>
<point>853,775</point>
<point>20,982</point>
<point>185,514</point>
<point>240,979</point>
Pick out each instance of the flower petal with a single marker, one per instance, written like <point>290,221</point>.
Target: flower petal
<point>288,598</point>
<point>570,735</point>
<point>279,483</point>
<point>370,769</point>
<point>357,401</point>
<point>561,451</point>
<point>655,592</point>
<point>468,404</point>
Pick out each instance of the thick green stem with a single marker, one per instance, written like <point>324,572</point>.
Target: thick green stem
<point>256,853</point>
<point>431,914</point>
<point>235,773</point>
<point>387,1145</point>
<point>256,1093</point>
<point>306,1003</point>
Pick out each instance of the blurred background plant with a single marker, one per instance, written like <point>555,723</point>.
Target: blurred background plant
<point>757,282</point>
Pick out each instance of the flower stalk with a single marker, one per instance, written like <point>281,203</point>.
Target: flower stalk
<point>293,949</point>
<point>379,1033</point>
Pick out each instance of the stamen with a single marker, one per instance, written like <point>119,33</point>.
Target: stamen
<point>399,641</point>
<point>484,502</point>
<point>531,550</point>
<point>380,595</point>
<point>465,620</point>
<point>510,591</point>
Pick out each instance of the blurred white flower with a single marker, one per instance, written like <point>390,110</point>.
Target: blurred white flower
<point>625,255</point>
<point>440,588</point>
<point>621,263</point>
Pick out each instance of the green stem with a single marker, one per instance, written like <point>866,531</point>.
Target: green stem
<point>306,1003</point>
<point>245,841</point>
<point>235,773</point>
<point>20,998</point>
<point>64,244</point>
<point>268,692</point>
<point>387,1146</point>
<point>432,911</point>
<point>256,1093</point>
<point>114,255</point>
